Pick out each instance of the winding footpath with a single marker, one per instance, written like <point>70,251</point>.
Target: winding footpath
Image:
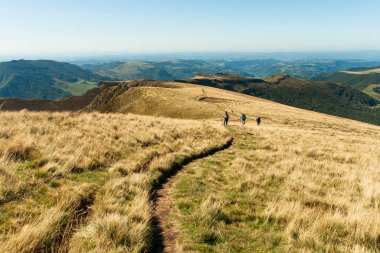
<point>164,233</point>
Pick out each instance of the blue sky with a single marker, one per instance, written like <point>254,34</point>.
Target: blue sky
<point>33,27</point>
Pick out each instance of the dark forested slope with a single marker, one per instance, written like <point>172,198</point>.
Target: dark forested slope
<point>44,79</point>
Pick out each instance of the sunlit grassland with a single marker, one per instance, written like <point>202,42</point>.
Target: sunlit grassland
<point>283,188</point>
<point>81,182</point>
<point>303,182</point>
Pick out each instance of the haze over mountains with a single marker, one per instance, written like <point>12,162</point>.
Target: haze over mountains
<point>168,69</point>
<point>351,92</point>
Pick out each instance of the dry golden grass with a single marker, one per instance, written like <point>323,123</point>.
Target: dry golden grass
<point>284,188</point>
<point>81,182</point>
<point>330,186</point>
<point>315,177</point>
<point>302,182</point>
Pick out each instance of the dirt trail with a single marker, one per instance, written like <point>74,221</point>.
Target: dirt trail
<point>164,234</point>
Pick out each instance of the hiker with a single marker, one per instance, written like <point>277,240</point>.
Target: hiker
<point>226,117</point>
<point>243,118</point>
<point>258,120</point>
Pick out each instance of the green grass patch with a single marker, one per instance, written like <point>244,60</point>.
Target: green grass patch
<point>95,177</point>
<point>78,88</point>
<point>370,90</point>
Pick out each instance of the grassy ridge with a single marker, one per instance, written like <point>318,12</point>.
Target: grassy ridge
<point>324,97</point>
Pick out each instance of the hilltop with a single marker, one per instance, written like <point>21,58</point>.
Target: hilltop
<point>326,97</point>
<point>364,79</point>
<point>44,79</point>
<point>122,181</point>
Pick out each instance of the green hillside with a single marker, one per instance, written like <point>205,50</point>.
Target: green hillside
<point>45,79</point>
<point>373,90</point>
<point>365,79</point>
<point>325,97</point>
<point>357,81</point>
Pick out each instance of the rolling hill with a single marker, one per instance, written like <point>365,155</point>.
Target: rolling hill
<point>45,79</point>
<point>158,171</point>
<point>118,96</point>
<point>364,79</point>
<point>358,78</point>
<point>326,97</point>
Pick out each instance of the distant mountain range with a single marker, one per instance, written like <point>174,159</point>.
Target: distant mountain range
<point>45,79</point>
<point>356,97</point>
<point>161,70</point>
<point>182,69</point>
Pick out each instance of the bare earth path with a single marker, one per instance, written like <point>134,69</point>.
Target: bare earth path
<point>209,176</point>
<point>163,234</point>
<point>162,210</point>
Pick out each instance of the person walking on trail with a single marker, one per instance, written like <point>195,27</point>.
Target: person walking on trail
<point>226,117</point>
<point>258,120</point>
<point>243,118</point>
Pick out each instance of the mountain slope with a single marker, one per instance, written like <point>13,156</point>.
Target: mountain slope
<point>86,182</point>
<point>357,81</point>
<point>364,79</point>
<point>303,181</point>
<point>373,90</point>
<point>326,97</point>
<point>74,103</point>
<point>44,79</point>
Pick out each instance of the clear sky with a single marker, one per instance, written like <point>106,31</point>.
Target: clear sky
<point>33,27</point>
